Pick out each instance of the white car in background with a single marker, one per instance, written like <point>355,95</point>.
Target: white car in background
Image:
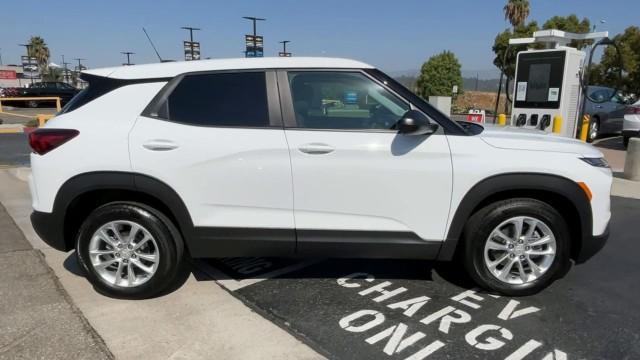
<point>631,123</point>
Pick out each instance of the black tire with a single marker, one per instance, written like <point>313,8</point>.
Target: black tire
<point>484,221</point>
<point>32,104</point>
<point>169,242</point>
<point>592,134</point>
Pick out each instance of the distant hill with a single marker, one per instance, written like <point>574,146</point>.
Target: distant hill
<point>468,83</point>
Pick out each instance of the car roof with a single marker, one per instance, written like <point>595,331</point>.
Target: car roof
<point>171,69</point>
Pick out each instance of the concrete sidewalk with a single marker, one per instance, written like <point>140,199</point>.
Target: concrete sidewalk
<point>37,318</point>
<point>200,320</point>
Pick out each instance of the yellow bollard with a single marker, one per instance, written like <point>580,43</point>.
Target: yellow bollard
<point>557,124</point>
<point>43,118</point>
<point>502,119</point>
<point>585,128</point>
<point>58,105</point>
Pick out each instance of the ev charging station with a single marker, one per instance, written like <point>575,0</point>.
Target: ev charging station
<point>547,83</point>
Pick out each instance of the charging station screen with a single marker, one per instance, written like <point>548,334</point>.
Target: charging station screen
<point>539,79</point>
<point>538,82</point>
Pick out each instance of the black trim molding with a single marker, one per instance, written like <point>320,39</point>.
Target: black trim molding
<point>494,185</point>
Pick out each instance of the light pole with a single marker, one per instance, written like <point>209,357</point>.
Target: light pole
<point>28,47</point>
<point>284,48</point>
<point>0,56</point>
<point>128,54</point>
<point>66,70</point>
<point>79,60</point>
<point>191,29</point>
<point>254,20</point>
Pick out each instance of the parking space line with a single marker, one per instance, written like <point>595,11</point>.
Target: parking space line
<point>233,285</point>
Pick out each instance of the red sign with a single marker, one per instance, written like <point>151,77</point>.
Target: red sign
<point>477,116</point>
<point>8,74</point>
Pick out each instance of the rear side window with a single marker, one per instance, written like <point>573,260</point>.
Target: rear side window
<point>222,99</point>
<point>99,86</point>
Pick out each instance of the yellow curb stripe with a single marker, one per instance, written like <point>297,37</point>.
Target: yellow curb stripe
<point>11,130</point>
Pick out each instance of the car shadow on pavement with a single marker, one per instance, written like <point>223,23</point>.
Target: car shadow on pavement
<point>333,268</point>
<point>612,143</point>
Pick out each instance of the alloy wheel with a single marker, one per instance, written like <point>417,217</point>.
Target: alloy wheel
<point>520,250</point>
<point>124,253</point>
<point>593,130</point>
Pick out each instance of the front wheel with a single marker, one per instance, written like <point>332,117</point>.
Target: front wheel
<point>129,250</point>
<point>516,247</point>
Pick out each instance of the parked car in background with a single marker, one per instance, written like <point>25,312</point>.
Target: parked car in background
<point>54,88</point>
<point>631,123</point>
<point>9,92</point>
<point>606,114</point>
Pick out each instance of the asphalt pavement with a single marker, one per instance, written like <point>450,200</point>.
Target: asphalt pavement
<point>14,150</point>
<point>399,309</point>
<point>37,318</point>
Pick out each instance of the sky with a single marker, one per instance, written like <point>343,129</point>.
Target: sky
<point>396,36</point>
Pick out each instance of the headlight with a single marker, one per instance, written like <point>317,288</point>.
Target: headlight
<point>597,162</point>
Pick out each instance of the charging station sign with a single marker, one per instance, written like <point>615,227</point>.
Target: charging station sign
<point>477,116</point>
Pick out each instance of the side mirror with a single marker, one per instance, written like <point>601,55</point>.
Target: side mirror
<point>414,122</point>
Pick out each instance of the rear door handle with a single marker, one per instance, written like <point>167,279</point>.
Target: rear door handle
<point>160,145</point>
<point>316,148</point>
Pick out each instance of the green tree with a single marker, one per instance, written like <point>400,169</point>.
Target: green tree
<point>572,24</point>
<point>516,12</point>
<point>438,75</point>
<point>39,50</point>
<point>54,74</point>
<point>606,73</point>
<point>500,44</point>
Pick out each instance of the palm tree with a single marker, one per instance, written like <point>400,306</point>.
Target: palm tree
<point>39,50</point>
<point>516,11</point>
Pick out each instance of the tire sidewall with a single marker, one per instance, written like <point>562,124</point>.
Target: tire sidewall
<point>494,217</point>
<point>156,227</point>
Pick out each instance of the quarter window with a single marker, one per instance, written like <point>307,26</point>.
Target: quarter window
<point>343,100</point>
<point>222,99</point>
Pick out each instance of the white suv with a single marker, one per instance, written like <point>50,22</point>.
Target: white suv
<point>302,157</point>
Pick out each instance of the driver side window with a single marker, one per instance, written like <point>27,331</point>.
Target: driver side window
<point>343,100</point>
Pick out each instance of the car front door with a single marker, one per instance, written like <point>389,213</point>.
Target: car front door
<point>360,188</point>
<point>217,140</point>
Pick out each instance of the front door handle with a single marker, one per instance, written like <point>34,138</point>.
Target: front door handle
<point>316,148</point>
<point>160,145</point>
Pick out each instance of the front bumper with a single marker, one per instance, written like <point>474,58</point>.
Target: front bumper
<point>50,228</point>
<point>591,245</point>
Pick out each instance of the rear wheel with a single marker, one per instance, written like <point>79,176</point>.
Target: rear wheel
<point>129,250</point>
<point>516,247</point>
<point>32,104</point>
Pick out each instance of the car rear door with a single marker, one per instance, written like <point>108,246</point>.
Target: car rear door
<point>360,188</point>
<point>217,140</point>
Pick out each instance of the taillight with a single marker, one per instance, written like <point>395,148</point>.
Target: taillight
<point>632,110</point>
<point>44,140</point>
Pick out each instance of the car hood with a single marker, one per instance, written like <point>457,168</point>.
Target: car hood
<point>507,137</point>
